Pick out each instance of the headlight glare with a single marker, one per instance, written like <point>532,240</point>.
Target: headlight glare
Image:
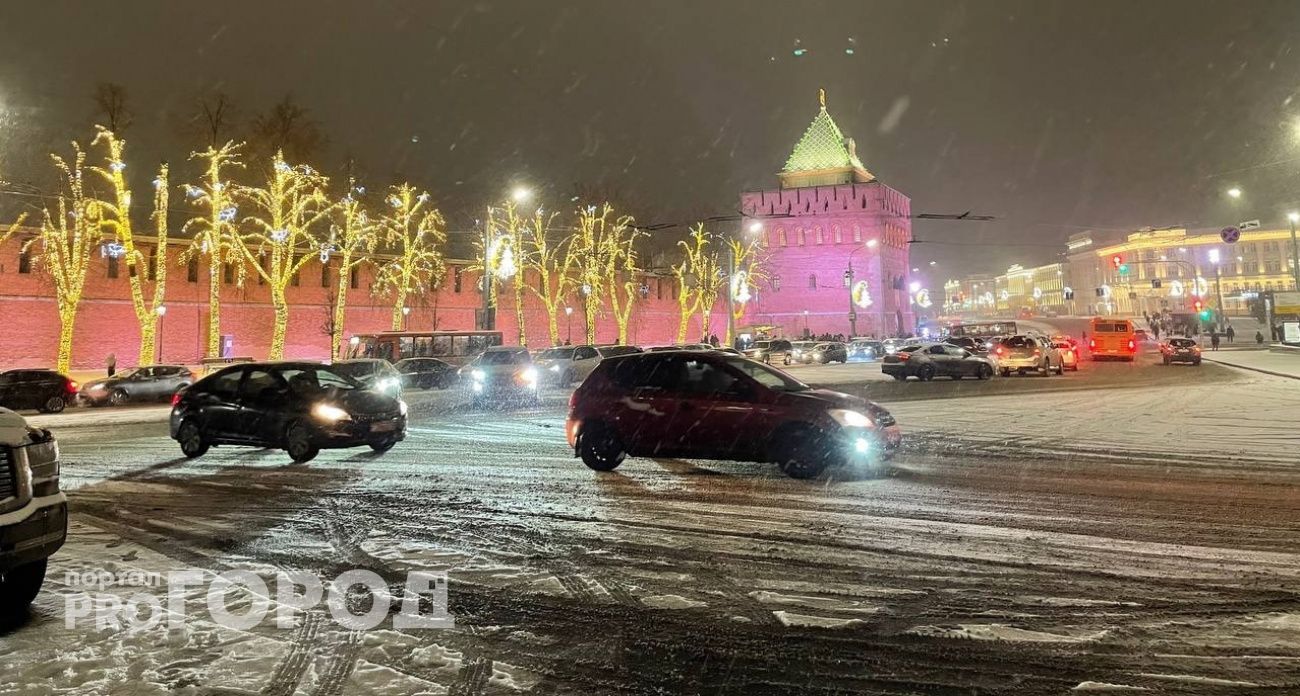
<point>478,374</point>
<point>327,412</point>
<point>850,419</point>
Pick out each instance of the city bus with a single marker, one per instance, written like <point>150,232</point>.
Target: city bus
<point>983,329</point>
<point>1109,337</point>
<point>455,347</point>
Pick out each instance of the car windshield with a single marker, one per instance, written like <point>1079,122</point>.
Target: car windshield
<point>1182,342</point>
<point>1018,342</point>
<point>363,372</point>
<point>767,376</point>
<point>505,357</point>
<point>310,381</point>
<point>556,354</point>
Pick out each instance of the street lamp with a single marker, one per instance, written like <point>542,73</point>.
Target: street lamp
<point>406,312</point>
<point>161,311</point>
<point>568,318</point>
<point>848,285</point>
<point>805,323</point>
<point>1294,217</point>
<point>755,227</point>
<point>521,194</point>
<point>1234,192</point>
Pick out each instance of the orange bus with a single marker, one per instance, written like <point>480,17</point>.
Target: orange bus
<point>1112,338</point>
<point>455,347</point>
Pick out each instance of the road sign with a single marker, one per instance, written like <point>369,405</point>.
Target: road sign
<point>1230,235</point>
<point>1248,225</point>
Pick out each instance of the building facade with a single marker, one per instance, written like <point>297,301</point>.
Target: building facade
<point>836,242</point>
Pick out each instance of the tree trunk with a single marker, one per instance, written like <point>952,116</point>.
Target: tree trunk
<point>519,309</point>
<point>340,309</point>
<point>214,308</point>
<point>148,340</point>
<point>683,320</point>
<point>398,317</point>
<point>67,318</point>
<point>589,309</point>
<point>281,323</point>
<point>553,325</point>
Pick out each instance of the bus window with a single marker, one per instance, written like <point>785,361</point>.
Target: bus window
<point>423,347</point>
<point>382,350</point>
<point>441,346</point>
<point>477,344</point>
<point>405,347</point>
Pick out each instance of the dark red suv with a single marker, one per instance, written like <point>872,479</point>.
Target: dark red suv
<point>718,406</point>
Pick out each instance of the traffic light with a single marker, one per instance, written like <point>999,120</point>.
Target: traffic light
<point>1202,311</point>
<point>1118,262</point>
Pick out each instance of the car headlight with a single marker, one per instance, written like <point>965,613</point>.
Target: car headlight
<point>401,407</point>
<point>333,414</point>
<point>529,375</point>
<point>478,374</point>
<point>555,368</point>
<point>387,383</point>
<point>850,419</point>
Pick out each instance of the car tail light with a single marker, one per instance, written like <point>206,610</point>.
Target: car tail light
<point>72,386</point>
<point>1037,352</point>
<point>176,398</point>
<point>1132,345</point>
<point>902,356</point>
<point>1092,344</point>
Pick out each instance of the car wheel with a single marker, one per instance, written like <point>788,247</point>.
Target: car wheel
<point>1060,369</point>
<point>1196,361</point>
<point>1005,372</point>
<point>117,398</point>
<point>926,373</point>
<point>297,442</point>
<point>54,404</point>
<point>383,445</point>
<point>1074,368</point>
<point>600,448</point>
<point>984,372</point>
<point>802,453</point>
<point>20,586</point>
<point>1165,360</point>
<point>190,435</point>
<point>900,378</point>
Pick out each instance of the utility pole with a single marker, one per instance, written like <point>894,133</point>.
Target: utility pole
<point>853,310</point>
<point>731,296</point>
<point>1295,252</point>
<point>488,322</point>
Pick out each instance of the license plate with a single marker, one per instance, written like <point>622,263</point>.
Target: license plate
<point>383,427</point>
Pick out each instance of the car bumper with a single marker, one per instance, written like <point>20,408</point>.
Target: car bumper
<point>34,531</point>
<point>895,369</point>
<point>353,434</point>
<point>1016,363</point>
<point>1183,357</point>
<point>863,443</point>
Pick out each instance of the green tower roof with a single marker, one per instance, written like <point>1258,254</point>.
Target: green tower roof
<point>824,148</point>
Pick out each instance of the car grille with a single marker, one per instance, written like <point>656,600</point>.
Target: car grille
<point>8,477</point>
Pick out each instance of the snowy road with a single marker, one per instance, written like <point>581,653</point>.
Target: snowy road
<point>1132,527</point>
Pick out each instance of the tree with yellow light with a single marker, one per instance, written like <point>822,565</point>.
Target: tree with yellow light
<point>65,244</point>
<point>353,238</point>
<point>213,230</point>
<point>115,219</point>
<point>279,235</point>
<point>414,231</point>
<point>622,274</point>
<point>549,262</point>
<point>592,254</point>
<point>503,258</point>
<point>696,250</point>
<point>747,267</point>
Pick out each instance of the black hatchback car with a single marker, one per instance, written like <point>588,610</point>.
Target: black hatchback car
<point>301,407</point>
<point>44,390</point>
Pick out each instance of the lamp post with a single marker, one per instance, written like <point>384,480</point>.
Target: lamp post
<point>161,311</point>
<point>568,319</point>
<point>805,323</point>
<point>848,284</point>
<point>406,312</point>
<point>353,342</point>
<point>1218,285</point>
<point>1295,250</point>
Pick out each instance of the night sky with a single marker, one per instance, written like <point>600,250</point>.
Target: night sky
<point>1056,117</point>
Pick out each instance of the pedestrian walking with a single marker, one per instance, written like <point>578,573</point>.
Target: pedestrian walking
<point>1259,338</point>
<point>1214,339</point>
<point>110,364</point>
<point>1230,333</point>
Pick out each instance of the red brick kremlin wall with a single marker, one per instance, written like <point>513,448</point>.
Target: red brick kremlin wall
<point>106,321</point>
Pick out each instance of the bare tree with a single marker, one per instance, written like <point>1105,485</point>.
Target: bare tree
<point>289,128</point>
<point>214,117</point>
<point>110,106</point>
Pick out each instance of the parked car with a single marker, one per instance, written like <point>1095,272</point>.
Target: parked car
<point>829,352</point>
<point>1069,355</point>
<point>776,351</point>
<point>681,346</point>
<point>617,349</point>
<point>718,406</point>
<point>503,374</point>
<point>802,351</point>
<point>970,343</point>
<point>1141,335</point>
<point>927,361</point>
<point>44,390</point>
<point>153,383</point>
<point>33,511</point>
<point>301,407</point>
<point>373,373</point>
<point>866,351</point>
<point>426,373</point>
<point>1022,353</point>
<point>1180,349</point>
<point>564,365</point>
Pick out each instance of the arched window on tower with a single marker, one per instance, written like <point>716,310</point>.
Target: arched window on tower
<point>839,235</point>
<point>802,238</point>
<point>780,234</point>
<point>820,239</point>
<point>812,281</point>
<point>857,234</point>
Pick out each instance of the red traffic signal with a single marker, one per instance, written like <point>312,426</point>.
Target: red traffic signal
<point>1117,261</point>
<point>1196,305</point>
